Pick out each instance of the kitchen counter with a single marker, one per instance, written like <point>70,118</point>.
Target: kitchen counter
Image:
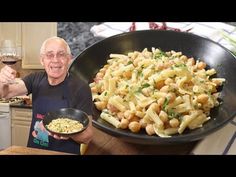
<point>104,144</point>
<point>21,105</point>
<point>20,150</point>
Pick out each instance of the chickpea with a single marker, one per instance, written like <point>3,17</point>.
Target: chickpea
<point>138,108</point>
<point>143,123</point>
<point>165,65</point>
<point>146,91</point>
<point>99,75</point>
<point>128,114</point>
<point>134,118</point>
<point>172,52</point>
<point>201,65</point>
<point>147,54</point>
<point>112,108</point>
<point>140,114</point>
<point>94,89</point>
<point>160,84</point>
<point>174,123</point>
<point>216,95</point>
<point>168,54</point>
<point>160,101</point>
<point>120,115</point>
<point>134,55</point>
<point>168,81</point>
<point>155,107</point>
<point>165,89</point>
<point>106,66</point>
<point>177,54</point>
<point>183,58</point>
<point>136,61</point>
<point>171,96</point>
<point>170,63</point>
<point>102,89</point>
<point>160,66</point>
<point>191,61</point>
<point>134,126</point>
<point>217,82</point>
<point>127,74</point>
<point>124,123</point>
<point>149,129</point>
<point>163,116</point>
<point>100,105</point>
<point>103,70</point>
<point>202,98</point>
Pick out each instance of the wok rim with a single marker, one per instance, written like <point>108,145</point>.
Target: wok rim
<point>178,138</point>
<point>144,31</point>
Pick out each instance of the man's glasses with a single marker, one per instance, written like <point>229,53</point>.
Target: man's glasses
<point>59,55</point>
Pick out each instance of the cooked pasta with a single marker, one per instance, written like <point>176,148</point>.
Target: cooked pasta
<point>167,92</point>
<point>64,125</point>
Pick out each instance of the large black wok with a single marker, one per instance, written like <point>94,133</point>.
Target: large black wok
<point>87,64</point>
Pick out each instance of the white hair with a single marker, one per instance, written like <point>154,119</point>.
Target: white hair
<point>43,47</point>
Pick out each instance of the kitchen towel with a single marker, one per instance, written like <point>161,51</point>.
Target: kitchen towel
<point>211,30</point>
<point>221,142</point>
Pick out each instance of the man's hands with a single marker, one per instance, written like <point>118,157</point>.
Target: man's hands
<point>7,74</point>
<point>83,137</point>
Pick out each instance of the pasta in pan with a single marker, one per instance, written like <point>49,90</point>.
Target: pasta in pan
<point>161,92</point>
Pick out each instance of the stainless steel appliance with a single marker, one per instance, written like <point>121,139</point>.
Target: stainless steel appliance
<point>5,121</point>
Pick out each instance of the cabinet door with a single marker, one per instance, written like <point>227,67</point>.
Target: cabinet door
<point>33,35</point>
<point>11,31</point>
<point>21,114</point>
<point>20,125</point>
<point>20,133</point>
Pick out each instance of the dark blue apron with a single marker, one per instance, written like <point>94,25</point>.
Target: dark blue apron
<point>38,136</point>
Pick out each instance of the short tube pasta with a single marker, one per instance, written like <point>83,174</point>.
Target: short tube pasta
<point>163,93</point>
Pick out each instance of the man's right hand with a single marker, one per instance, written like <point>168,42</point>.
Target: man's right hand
<point>7,74</point>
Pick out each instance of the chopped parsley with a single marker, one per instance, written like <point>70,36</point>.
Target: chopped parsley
<point>166,102</point>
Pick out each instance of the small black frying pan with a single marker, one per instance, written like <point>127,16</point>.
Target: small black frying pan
<point>70,113</point>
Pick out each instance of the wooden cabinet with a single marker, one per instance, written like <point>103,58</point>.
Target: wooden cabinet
<point>11,31</point>
<point>20,125</point>
<point>33,35</point>
<point>29,36</point>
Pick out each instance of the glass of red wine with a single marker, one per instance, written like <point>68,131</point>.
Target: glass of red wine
<point>9,54</point>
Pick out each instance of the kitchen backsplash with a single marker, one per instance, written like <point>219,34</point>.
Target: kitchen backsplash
<point>77,34</point>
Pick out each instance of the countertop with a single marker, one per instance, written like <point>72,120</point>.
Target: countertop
<point>104,144</point>
<point>20,150</point>
<point>21,105</point>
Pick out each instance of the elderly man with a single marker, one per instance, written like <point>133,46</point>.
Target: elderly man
<point>51,89</point>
